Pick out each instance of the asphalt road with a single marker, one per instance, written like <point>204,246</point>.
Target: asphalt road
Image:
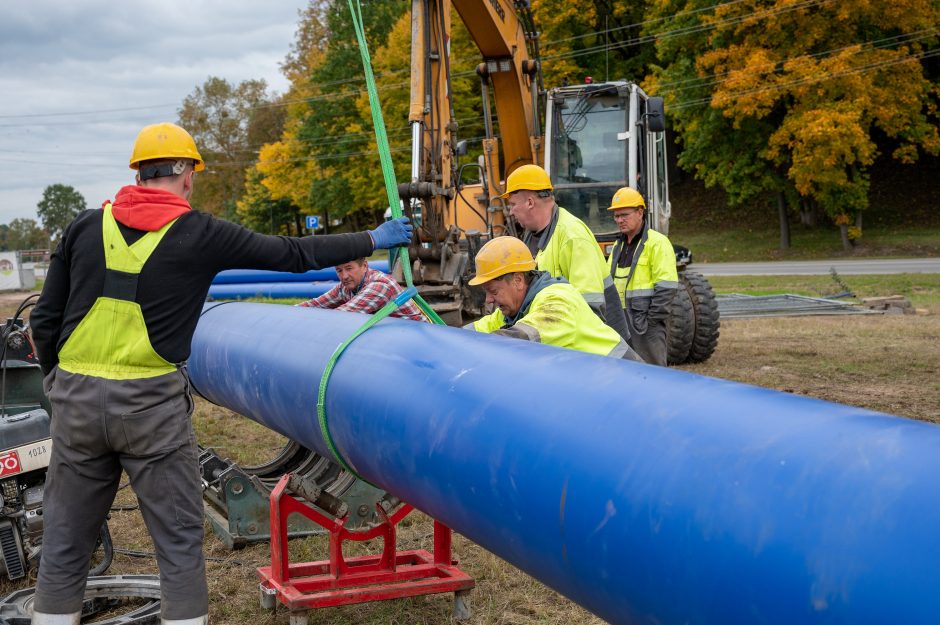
<point>820,267</point>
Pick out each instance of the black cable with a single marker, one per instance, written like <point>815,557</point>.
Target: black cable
<point>135,553</point>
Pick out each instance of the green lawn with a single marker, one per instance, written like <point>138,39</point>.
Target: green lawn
<point>744,243</point>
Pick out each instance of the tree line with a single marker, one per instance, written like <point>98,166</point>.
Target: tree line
<point>783,104</point>
<point>60,204</point>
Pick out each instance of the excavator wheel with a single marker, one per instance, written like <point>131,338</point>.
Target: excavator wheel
<point>706,321</point>
<point>679,328</point>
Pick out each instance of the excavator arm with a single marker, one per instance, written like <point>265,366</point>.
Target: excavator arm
<point>504,34</point>
<point>454,217</point>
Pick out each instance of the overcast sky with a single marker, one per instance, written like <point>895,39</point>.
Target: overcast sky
<point>79,79</point>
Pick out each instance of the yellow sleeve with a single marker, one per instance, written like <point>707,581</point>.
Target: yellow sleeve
<point>490,323</point>
<point>663,264</point>
<point>582,263</point>
<point>553,318</point>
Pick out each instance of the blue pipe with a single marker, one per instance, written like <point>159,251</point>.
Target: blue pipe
<point>647,495</point>
<point>246,276</point>
<point>271,290</point>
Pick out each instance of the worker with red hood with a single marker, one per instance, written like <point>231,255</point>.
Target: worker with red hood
<point>112,329</point>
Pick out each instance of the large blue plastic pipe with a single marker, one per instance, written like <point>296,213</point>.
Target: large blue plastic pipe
<point>645,494</point>
<point>271,290</point>
<point>246,276</point>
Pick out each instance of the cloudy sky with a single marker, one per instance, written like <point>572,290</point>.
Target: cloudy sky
<point>79,79</point>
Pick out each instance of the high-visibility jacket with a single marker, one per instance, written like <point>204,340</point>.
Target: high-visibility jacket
<point>555,313</point>
<point>567,249</point>
<point>111,341</point>
<point>647,287</point>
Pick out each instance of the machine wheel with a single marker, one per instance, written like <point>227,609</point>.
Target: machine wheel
<point>679,328</point>
<point>706,317</point>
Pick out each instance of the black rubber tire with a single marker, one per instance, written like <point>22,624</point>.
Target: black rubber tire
<point>679,328</point>
<point>106,547</point>
<point>706,316</point>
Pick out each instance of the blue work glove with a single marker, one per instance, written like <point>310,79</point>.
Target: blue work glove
<point>392,234</point>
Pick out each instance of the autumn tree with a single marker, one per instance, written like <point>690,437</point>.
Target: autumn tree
<point>229,123</point>
<point>60,204</point>
<point>277,188</point>
<point>804,87</point>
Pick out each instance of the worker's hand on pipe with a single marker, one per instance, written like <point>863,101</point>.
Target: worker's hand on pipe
<point>392,233</point>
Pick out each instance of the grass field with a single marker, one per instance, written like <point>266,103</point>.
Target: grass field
<point>878,362</point>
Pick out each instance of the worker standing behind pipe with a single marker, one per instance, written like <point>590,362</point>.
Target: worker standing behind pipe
<point>363,289</point>
<point>643,268</point>
<point>112,328</point>
<point>534,306</point>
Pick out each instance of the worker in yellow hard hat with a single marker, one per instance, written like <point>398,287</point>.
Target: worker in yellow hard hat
<point>112,330</point>
<point>535,306</point>
<point>643,267</point>
<point>561,243</point>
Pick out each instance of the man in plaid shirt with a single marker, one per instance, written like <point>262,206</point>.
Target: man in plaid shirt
<point>364,290</point>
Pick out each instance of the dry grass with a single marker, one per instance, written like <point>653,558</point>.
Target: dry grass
<point>884,363</point>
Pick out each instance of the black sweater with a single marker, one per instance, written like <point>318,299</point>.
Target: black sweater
<point>175,280</point>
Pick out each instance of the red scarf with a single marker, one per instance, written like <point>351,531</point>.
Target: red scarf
<point>147,208</point>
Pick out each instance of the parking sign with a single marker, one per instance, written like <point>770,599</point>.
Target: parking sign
<point>313,222</point>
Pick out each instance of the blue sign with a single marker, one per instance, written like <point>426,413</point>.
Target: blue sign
<point>313,222</point>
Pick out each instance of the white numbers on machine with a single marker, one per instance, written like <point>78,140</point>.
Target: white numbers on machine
<point>25,458</point>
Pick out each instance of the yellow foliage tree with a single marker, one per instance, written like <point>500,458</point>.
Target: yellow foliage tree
<point>826,75</point>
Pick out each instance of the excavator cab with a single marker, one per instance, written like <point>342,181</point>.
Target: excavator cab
<point>600,137</point>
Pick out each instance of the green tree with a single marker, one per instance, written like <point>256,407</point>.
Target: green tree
<point>25,234</point>
<point>60,204</point>
<point>333,131</point>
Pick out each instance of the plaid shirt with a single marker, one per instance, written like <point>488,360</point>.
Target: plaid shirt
<point>375,290</point>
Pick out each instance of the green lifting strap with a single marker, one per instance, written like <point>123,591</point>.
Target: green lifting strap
<point>385,153</point>
<point>391,189</point>
<point>382,313</point>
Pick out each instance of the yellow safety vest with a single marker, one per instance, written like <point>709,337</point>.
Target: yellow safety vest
<point>558,315</point>
<point>654,264</point>
<point>572,253</point>
<point>111,341</point>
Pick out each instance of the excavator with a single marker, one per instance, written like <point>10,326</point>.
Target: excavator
<point>591,138</point>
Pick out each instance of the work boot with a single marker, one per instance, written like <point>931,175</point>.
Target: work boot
<point>198,620</point>
<point>41,618</point>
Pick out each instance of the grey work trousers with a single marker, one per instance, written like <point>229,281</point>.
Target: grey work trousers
<point>100,427</point>
<point>651,345</point>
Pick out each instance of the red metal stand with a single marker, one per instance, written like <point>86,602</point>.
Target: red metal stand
<point>340,580</point>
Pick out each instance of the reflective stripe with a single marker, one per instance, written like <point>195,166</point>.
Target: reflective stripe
<point>594,299</point>
<point>619,349</point>
<point>608,281</point>
<point>530,333</point>
<point>667,284</point>
<point>640,293</point>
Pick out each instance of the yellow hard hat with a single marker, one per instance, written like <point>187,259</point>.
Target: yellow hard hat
<point>165,140</point>
<point>500,256</point>
<point>527,178</point>
<point>626,197</point>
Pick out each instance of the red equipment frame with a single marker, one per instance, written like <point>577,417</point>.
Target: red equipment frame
<point>340,580</point>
